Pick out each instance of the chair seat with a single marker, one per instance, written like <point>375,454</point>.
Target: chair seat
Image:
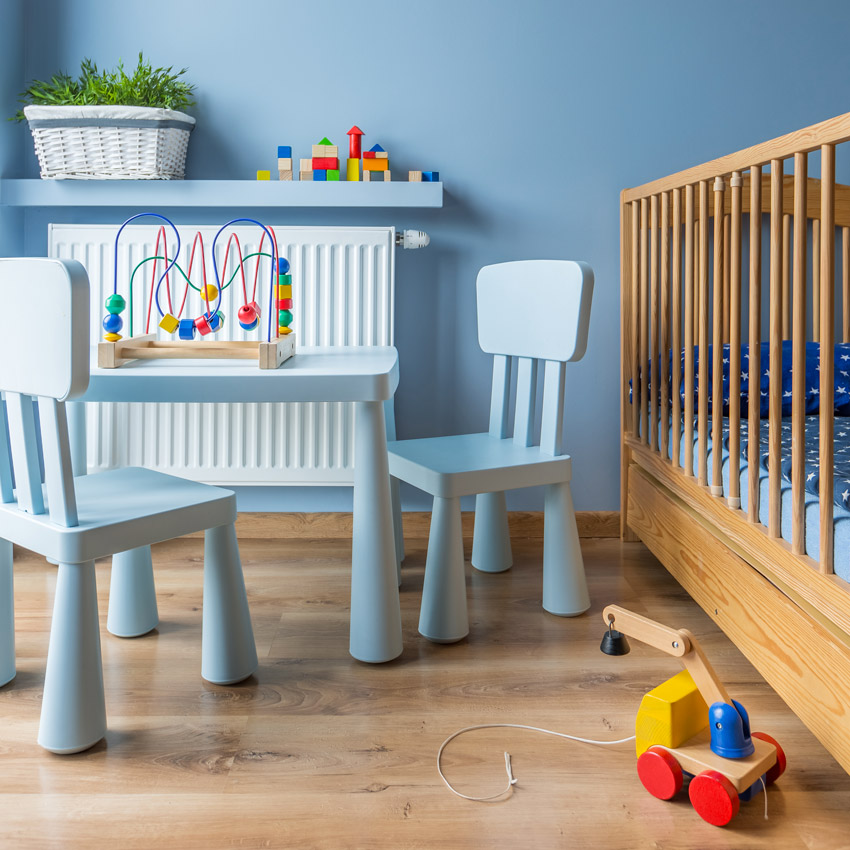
<point>468,464</point>
<point>119,510</point>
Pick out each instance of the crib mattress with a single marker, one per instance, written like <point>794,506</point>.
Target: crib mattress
<point>841,516</point>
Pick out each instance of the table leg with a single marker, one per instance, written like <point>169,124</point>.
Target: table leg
<point>375,611</point>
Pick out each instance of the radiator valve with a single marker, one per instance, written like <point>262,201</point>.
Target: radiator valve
<point>412,239</point>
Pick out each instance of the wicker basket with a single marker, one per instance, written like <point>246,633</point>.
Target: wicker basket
<point>110,142</point>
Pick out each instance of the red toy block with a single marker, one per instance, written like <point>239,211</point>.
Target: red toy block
<point>325,163</point>
<point>354,135</point>
<point>284,303</point>
<point>368,154</point>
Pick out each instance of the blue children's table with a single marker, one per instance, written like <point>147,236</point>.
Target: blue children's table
<point>366,376</point>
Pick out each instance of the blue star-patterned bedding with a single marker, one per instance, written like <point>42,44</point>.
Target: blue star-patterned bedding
<point>841,382</point>
<point>841,454</point>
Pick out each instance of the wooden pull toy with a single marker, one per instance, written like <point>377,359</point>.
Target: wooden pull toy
<point>115,351</point>
<point>690,726</point>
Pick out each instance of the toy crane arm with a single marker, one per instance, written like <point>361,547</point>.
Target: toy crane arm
<point>679,643</point>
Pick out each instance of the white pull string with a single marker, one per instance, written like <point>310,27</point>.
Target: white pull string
<point>511,778</point>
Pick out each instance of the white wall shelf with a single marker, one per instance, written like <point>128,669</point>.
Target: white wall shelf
<point>216,193</point>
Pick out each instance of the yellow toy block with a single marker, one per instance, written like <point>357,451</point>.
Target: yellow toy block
<point>264,175</point>
<point>670,714</point>
<point>376,164</point>
<point>168,323</point>
<point>352,171</point>
<point>284,290</point>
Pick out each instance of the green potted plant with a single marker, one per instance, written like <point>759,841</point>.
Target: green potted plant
<point>110,125</point>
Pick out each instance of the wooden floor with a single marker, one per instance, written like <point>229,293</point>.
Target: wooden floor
<point>322,751</point>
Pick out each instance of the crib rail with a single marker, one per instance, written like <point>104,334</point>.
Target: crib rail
<point>692,257</point>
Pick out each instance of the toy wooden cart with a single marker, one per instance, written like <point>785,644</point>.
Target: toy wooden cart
<point>689,725</point>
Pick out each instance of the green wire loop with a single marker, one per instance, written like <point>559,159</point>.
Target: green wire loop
<point>185,276</point>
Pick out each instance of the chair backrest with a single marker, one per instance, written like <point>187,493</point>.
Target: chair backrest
<point>44,356</point>
<point>533,310</point>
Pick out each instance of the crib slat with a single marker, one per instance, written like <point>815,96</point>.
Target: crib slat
<point>688,420</point>
<point>798,375</point>
<point>635,312</point>
<point>703,390</point>
<point>717,342</point>
<point>816,280</point>
<point>664,330</point>
<point>786,277</point>
<point>734,495</point>
<point>676,326</point>
<point>653,305</point>
<point>754,348</point>
<point>845,284</point>
<point>526,395</point>
<point>696,272</point>
<point>827,344</point>
<point>644,315</point>
<point>727,297</point>
<point>774,471</point>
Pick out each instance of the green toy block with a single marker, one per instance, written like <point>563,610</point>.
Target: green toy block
<point>325,141</point>
<point>333,174</point>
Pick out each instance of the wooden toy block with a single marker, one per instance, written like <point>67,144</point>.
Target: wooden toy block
<point>306,175</point>
<point>306,164</point>
<point>264,175</point>
<point>388,176</point>
<point>284,163</point>
<point>320,174</point>
<point>284,290</point>
<point>352,171</point>
<point>325,150</point>
<point>369,155</point>
<point>284,152</point>
<point>326,141</point>
<point>430,176</point>
<point>376,155</point>
<point>670,714</point>
<point>169,323</point>
<point>414,176</point>
<point>285,175</point>
<point>325,162</point>
<point>375,165</point>
<point>333,175</point>
<point>376,149</point>
<point>354,135</point>
<point>367,176</point>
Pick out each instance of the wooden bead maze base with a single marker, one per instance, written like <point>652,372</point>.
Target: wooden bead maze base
<point>269,355</point>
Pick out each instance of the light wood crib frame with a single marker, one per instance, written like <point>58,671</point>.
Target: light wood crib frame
<point>685,285</point>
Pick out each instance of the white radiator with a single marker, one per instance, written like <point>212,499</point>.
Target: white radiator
<point>343,281</point>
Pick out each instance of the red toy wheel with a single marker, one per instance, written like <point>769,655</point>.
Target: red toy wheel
<point>714,797</point>
<point>781,762</point>
<point>660,773</point>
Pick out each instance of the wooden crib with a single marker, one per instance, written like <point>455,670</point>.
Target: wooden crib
<point>692,268</point>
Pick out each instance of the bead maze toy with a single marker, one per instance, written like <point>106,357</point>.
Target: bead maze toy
<point>115,351</point>
<point>690,726</point>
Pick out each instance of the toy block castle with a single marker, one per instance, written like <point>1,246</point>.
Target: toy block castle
<point>325,161</point>
<point>376,164</point>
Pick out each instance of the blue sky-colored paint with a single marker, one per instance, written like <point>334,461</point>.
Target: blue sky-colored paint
<point>535,114</point>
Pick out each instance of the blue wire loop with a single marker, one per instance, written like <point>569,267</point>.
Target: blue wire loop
<point>167,268</point>
<point>272,243</point>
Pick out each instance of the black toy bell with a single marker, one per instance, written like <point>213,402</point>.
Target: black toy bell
<point>614,642</point>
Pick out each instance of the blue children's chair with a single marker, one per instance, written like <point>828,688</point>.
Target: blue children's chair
<point>73,521</point>
<point>534,310</point>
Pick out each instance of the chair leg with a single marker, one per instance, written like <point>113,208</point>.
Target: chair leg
<point>564,583</point>
<point>132,595</point>
<point>491,540</point>
<point>7,614</point>
<point>443,617</point>
<point>229,653</point>
<point>398,528</point>
<point>73,711</point>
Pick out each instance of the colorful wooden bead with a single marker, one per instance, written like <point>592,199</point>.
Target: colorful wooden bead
<point>168,323</point>
<point>112,337</point>
<point>210,292</point>
<point>115,304</point>
<point>249,326</point>
<point>186,329</point>
<point>282,265</point>
<point>216,320</point>
<point>113,323</point>
<point>284,318</point>
<point>284,331</point>
<point>246,315</point>
<point>284,303</point>
<point>203,325</point>
<point>284,290</point>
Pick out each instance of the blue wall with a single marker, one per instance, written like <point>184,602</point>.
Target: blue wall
<point>536,114</point>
